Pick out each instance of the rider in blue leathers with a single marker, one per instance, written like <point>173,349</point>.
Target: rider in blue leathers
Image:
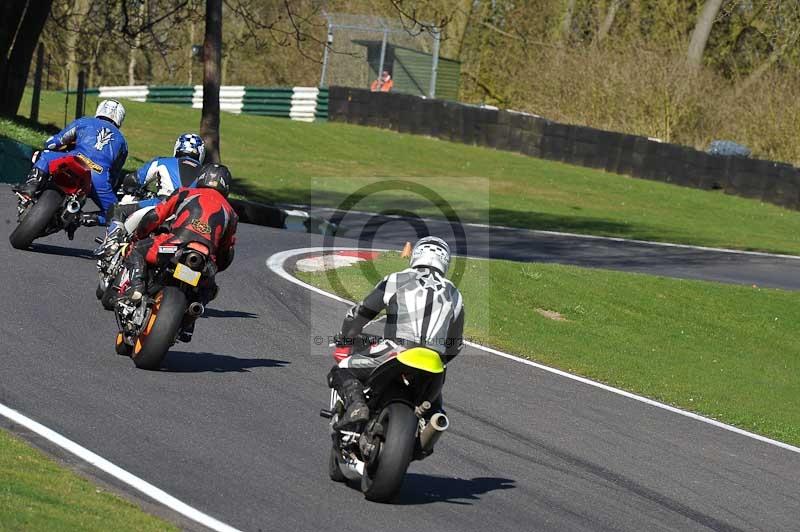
<point>177,171</point>
<point>100,144</point>
<point>164,175</point>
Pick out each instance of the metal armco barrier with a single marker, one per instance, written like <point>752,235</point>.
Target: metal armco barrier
<point>768,181</point>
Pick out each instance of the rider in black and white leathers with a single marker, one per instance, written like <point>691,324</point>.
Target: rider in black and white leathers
<point>423,308</point>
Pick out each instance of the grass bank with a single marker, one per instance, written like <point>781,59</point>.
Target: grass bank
<point>23,131</point>
<point>323,163</point>
<point>37,494</point>
<point>727,352</point>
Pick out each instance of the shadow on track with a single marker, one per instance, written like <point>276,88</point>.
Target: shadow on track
<point>427,489</point>
<point>214,313</point>
<point>419,488</point>
<point>184,362</point>
<point>49,249</point>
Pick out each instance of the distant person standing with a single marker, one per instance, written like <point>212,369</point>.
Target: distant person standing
<point>383,84</point>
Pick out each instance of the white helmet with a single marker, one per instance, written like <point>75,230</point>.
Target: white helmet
<point>190,145</point>
<point>112,110</point>
<point>432,252</point>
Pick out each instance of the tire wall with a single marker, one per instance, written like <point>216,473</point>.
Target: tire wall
<point>640,157</point>
<point>15,161</point>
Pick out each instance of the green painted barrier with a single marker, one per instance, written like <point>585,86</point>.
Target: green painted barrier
<point>291,102</point>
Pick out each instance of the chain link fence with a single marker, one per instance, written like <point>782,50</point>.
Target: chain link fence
<point>361,47</point>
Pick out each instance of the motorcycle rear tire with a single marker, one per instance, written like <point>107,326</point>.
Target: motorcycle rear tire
<point>334,470</point>
<point>33,225</point>
<point>152,345</point>
<point>386,478</point>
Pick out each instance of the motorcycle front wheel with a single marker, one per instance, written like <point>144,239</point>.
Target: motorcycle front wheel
<point>161,329</point>
<point>101,287</point>
<point>382,480</point>
<point>110,293</point>
<point>33,225</point>
<point>334,470</point>
<point>121,347</point>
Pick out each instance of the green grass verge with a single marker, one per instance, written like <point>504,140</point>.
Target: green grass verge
<point>37,494</point>
<point>24,132</point>
<point>322,163</point>
<point>728,352</point>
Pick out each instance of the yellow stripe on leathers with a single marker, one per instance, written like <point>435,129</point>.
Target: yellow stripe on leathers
<point>423,359</point>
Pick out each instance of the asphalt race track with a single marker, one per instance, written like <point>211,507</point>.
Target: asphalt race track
<point>526,245</point>
<point>230,426</point>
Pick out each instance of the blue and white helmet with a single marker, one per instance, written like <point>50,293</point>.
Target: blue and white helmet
<point>431,252</point>
<point>190,145</point>
<point>111,110</point>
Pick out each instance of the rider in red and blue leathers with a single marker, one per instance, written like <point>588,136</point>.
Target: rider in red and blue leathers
<point>100,145</point>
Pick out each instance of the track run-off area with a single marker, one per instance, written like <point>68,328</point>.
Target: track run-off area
<point>230,428</point>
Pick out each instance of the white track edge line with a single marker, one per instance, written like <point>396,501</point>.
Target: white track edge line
<point>275,264</point>
<point>574,235</point>
<point>115,471</point>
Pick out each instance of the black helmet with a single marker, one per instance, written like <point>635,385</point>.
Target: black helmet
<point>130,183</point>
<point>215,176</point>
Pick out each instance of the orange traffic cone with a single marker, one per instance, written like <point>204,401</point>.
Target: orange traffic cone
<point>406,250</point>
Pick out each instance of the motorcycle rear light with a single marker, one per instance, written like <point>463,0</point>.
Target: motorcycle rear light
<point>340,353</point>
<point>200,248</point>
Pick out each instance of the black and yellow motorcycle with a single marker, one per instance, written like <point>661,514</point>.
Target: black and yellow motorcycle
<point>402,426</point>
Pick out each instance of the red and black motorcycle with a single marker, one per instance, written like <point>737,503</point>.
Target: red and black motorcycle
<point>58,205</point>
<point>176,290</point>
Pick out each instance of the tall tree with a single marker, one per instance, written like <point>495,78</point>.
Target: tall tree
<point>79,14</point>
<point>137,44</point>
<point>566,20</point>
<point>20,33</point>
<point>608,20</point>
<point>212,71</point>
<point>702,29</point>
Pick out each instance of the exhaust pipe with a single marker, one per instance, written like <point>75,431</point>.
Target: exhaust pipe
<point>73,206</point>
<point>195,309</point>
<point>433,431</point>
<point>195,260</point>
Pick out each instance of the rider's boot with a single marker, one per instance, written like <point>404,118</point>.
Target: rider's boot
<point>136,270</point>
<point>352,392</point>
<point>88,219</point>
<point>186,332</point>
<point>115,233</point>
<point>32,183</point>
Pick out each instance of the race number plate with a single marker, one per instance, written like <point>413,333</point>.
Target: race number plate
<point>187,275</point>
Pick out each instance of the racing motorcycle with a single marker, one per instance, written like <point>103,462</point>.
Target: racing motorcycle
<point>58,204</point>
<point>401,427</point>
<point>175,290</point>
